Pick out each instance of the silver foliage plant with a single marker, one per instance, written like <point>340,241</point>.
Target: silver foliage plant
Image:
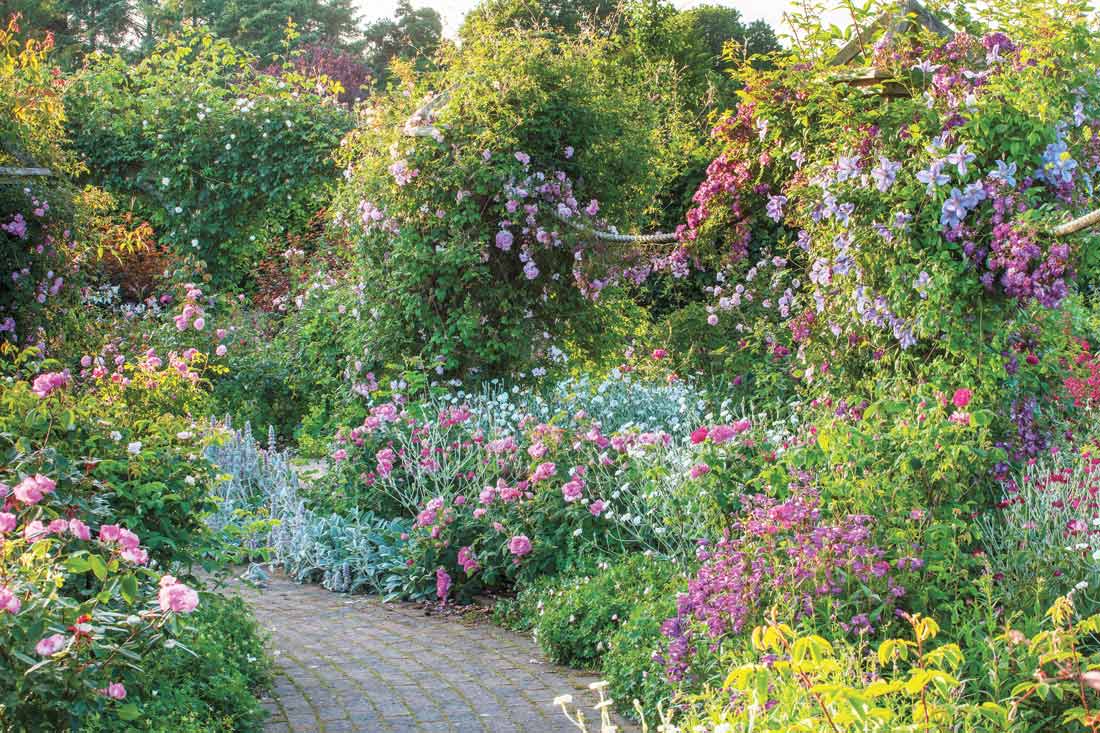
<point>262,506</point>
<point>1047,525</point>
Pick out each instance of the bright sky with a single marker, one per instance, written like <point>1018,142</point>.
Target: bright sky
<point>453,10</point>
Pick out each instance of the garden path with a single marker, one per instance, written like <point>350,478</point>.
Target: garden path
<point>353,664</point>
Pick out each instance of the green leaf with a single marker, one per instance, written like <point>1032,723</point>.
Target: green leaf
<point>129,588</point>
<point>98,566</point>
<point>129,711</point>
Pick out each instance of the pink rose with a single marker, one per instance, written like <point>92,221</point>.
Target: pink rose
<point>31,489</point>
<point>115,691</point>
<point>597,507</point>
<point>50,645</point>
<point>519,545</point>
<point>442,584</point>
<point>7,522</point>
<point>699,469</point>
<point>699,435</point>
<point>9,601</point>
<point>128,539</point>
<point>177,597</point>
<point>962,397</point>
<point>45,384</point>
<point>659,353</point>
<point>79,530</point>
<point>135,555</point>
<point>35,531</point>
<point>109,533</point>
<point>573,490</point>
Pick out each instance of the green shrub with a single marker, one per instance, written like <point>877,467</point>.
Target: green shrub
<point>217,156</point>
<point>580,617</point>
<point>207,683</point>
<point>633,662</point>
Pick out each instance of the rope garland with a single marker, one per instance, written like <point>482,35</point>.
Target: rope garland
<point>1082,222</point>
<point>655,238</point>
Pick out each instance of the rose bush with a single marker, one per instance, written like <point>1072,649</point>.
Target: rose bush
<point>81,603</point>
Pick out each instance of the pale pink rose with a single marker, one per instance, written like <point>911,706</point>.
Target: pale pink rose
<point>128,539</point>
<point>109,533</point>
<point>35,531</point>
<point>50,645</point>
<point>31,489</point>
<point>177,597</point>
<point>519,545</point>
<point>135,555</point>
<point>7,522</point>
<point>9,601</point>
<point>79,530</point>
<point>115,691</point>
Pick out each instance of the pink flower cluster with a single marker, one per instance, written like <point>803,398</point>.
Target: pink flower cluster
<point>31,489</point>
<point>128,545</point>
<point>468,561</point>
<point>192,313</point>
<point>45,384</point>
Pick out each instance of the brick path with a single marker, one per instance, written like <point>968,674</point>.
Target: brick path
<point>351,664</point>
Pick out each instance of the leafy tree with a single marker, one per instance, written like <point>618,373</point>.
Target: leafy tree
<point>413,34</point>
<point>80,26</point>
<point>565,16</point>
<point>708,44</point>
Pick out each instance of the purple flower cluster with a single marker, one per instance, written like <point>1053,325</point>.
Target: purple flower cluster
<point>783,551</point>
<point>1017,261</point>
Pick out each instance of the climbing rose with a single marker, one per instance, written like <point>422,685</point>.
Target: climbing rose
<point>519,545</point>
<point>175,596</point>
<point>7,522</point>
<point>50,645</point>
<point>31,489</point>
<point>962,398</point>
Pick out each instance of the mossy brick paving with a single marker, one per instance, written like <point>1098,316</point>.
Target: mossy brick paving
<point>352,664</point>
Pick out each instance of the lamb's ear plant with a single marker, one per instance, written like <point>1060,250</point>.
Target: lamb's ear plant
<point>262,507</point>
